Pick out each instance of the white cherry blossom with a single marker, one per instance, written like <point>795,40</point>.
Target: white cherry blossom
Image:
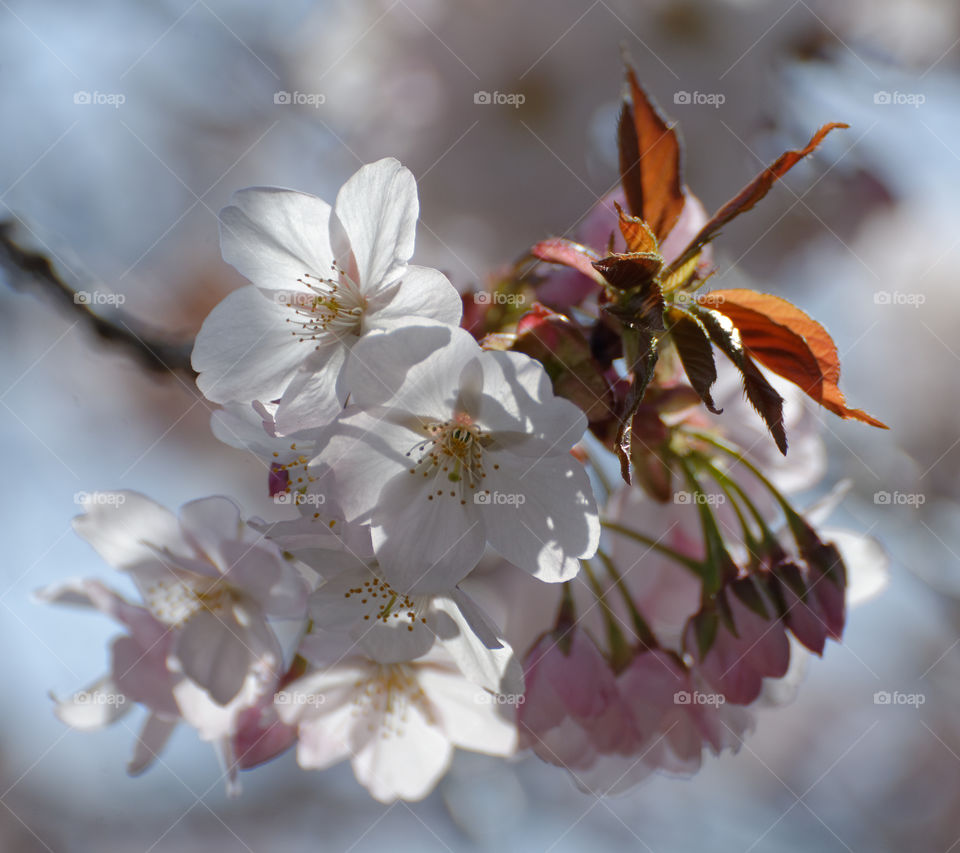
<point>388,625</point>
<point>322,279</point>
<point>447,448</point>
<point>143,671</point>
<point>206,574</point>
<point>397,723</point>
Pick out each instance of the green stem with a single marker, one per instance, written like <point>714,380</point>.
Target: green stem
<point>725,484</point>
<point>798,527</point>
<point>768,537</point>
<point>566,618</point>
<point>736,495</point>
<point>732,450</point>
<point>695,566</point>
<point>640,626</point>
<point>566,613</point>
<point>719,563</point>
<point>619,649</point>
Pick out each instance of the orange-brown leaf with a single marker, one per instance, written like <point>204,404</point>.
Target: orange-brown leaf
<point>761,394</point>
<point>696,355</point>
<point>789,342</point>
<point>752,193</point>
<point>649,161</point>
<point>636,233</point>
<point>636,272</point>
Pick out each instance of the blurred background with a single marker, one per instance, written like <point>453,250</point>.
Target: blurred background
<point>129,125</point>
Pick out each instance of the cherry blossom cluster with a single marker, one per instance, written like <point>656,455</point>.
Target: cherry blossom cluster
<point>450,563</point>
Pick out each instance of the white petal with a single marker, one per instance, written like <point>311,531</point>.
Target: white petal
<point>364,452</point>
<point>140,672</point>
<point>541,514</point>
<point>513,374</point>
<point>518,397</point>
<point>93,594</point>
<point>73,593</point>
<point>333,605</point>
<point>867,564</point>
<point>394,642</point>
<point>208,522</point>
<point>472,718</point>
<point>316,392</point>
<point>415,368</point>
<point>125,527</point>
<point>152,739</point>
<point>377,208</point>
<point>821,509</point>
<point>469,400</point>
<point>331,710</point>
<point>391,638</point>
<point>782,691</point>
<point>328,544</point>
<point>404,759</point>
<point>270,580</point>
<point>240,425</point>
<point>213,652</point>
<point>98,705</point>
<point>246,349</point>
<point>226,756</point>
<point>422,545</point>
<point>273,236</point>
<point>324,741</point>
<point>420,293</point>
<point>477,647</point>
<point>321,693</point>
<point>211,720</point>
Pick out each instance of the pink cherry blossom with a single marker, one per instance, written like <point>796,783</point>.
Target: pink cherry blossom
<point>573,715</point>
<point>746,648</point>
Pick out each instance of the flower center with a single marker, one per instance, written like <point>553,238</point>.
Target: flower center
<point>384,604</point>
<point>175,600</point>
<point>291,477</point>
<point>392,691</point>
<point>454,448</point>
<point>332,306</point>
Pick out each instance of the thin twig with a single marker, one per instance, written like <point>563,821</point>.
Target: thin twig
<point>27,269</point>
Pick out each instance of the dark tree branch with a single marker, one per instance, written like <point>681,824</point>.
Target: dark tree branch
<point>30,270</point>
